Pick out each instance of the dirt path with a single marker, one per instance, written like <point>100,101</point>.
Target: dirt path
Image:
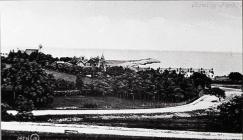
<point>202,103</point>
<point>118,131</point>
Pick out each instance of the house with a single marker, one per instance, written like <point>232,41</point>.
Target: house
<point>189,74</point>
<point>29,51</point>
<point>61,63</point>
<point>82,61</point>
<point>95,62</point>
<point>4,54</point>
<point>87,64</point>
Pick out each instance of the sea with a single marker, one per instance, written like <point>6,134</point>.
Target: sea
<point>222,62</point>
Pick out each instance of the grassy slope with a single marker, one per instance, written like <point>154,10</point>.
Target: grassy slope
<point>61,75</point>
<point>107,102</point>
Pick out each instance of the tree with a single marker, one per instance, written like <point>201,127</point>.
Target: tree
<point>115,70</point>
<point>28,85</point>
<point>201,80</point>
<point>217,92</point>
<point>61,84</point>
<point>231,114</point>
<point>65,59</point>
<point>235,76</point>
<point>79,82</point>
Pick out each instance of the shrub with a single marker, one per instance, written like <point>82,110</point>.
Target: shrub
<point>231,114</point>
<point>4,115</point>
<point>217,92</point>
<point>24,116</point>
<point>235,76</point>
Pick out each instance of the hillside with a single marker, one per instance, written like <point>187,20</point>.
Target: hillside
<point>61,75</point>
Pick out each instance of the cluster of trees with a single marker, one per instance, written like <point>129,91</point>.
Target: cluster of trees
<point>216,92</point>
<point>148,85</point>
<point>25,86</point>
<point>39,57</point>
<point>47,61</point>
<point>153,85</point>
<point>236,77</point>
<point>232,78</point>
<point>116,70</point>
<point>200,80</point>
<point>231,115</point>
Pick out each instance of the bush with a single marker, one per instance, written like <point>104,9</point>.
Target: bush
<point>4,115</point>
<point>217,92</point>
<point>61,84</point>
<point>200,79</point>
<point>24,116</point>
<point>115,71</point>
<point>231,114</point>
<point>235,76</point>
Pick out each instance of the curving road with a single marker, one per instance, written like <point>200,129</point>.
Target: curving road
<point>202,103</point>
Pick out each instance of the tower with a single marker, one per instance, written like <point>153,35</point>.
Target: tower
<point>102,63</point>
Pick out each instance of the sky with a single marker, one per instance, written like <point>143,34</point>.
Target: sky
<point>144,25</point>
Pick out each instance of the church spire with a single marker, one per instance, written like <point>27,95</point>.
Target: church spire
<point>102,57</point>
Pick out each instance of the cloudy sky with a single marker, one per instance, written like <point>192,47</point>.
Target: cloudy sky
<point>147,25</point>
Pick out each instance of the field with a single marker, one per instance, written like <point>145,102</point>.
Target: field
<point>97,102</point>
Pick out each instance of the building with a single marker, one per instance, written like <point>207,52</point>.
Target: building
<point>82,62</point>
<point>102,63</point>
<point>4,54</point>
<point>29,51</point>
<point>93,62</point>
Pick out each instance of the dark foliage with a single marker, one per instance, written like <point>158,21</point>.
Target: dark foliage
<point>143,85</point>
<point>66,59</point>
<point>61,84</point>
<point>115,71</point>
<point>79,82</point>
<point>201,80</point>
<point>231,115</point>
<point>217,92</point>
<point>4,115</point>
<point>235,76</point>
<point>40,58</point>
<point>26,86</point>
<point>24,116</point>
